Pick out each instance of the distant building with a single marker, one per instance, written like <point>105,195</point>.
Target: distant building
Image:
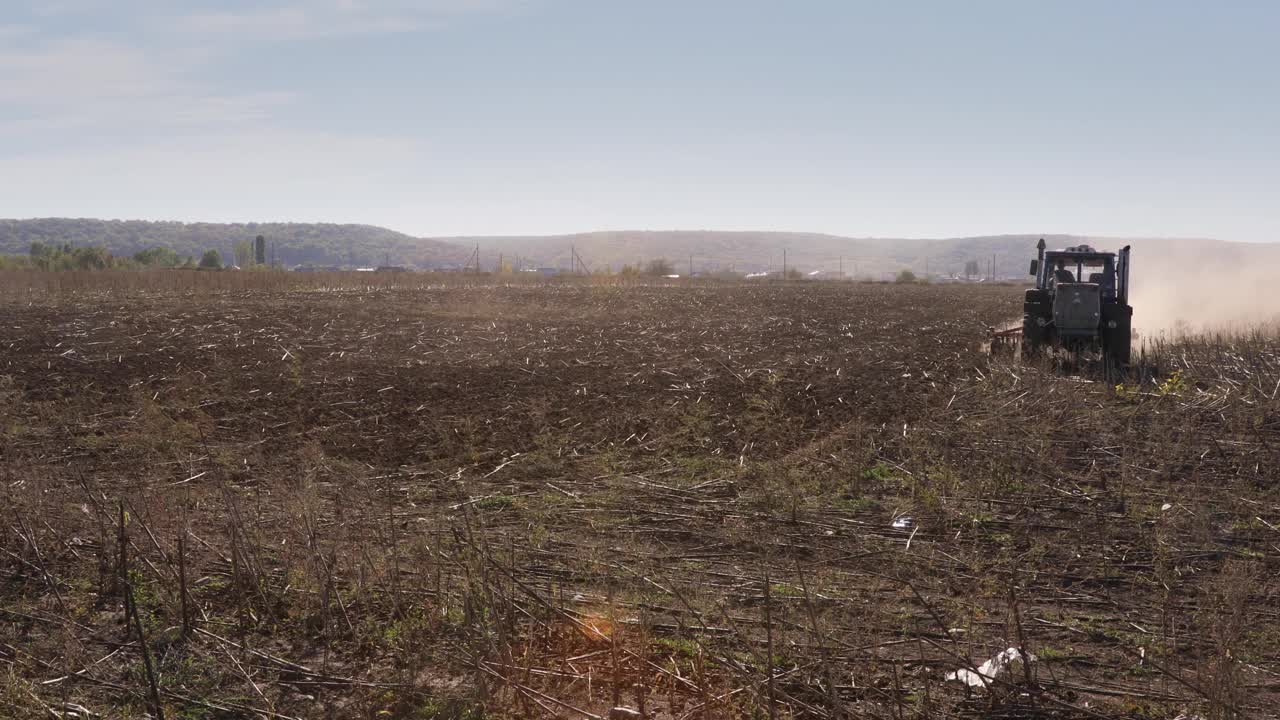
<point>391,269</point>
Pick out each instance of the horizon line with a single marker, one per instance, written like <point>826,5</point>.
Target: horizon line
<point>582,233</point>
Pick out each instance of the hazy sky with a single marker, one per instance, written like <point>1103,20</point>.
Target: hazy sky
<point>437,117</point>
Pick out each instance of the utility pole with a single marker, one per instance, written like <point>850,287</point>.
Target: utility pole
<point>784,263</point>
<point>841,267</point>
<point>577,264</point>
<point>993,267</point>
<point>691,266</point>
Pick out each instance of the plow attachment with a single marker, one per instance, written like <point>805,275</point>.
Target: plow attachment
<point>1005,342</point>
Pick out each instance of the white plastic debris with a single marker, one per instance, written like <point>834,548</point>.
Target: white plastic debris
<point>76,711</point>
<point>1166,507</point>
<point>903,522</point>
<point>1007,661</point>
<point>624,713</point>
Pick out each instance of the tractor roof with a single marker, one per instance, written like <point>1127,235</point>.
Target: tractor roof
<point>1082,252</point>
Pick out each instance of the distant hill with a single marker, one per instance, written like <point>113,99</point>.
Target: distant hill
<point>872,258</point>
<point>1193,281</point>
<point>368,245</point>
<point>294,243</point>
<point>1176,281</point>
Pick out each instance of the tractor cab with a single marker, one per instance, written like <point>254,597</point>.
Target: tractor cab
<point>1081,264</point>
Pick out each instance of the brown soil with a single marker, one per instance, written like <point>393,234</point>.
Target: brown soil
<point>549,501</point>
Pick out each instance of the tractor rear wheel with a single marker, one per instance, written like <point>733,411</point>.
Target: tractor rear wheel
<point>1037,311</point>
<point>1117,333</point>
<point>1115,355</point>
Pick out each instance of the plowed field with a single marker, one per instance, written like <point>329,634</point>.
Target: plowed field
<point>808,500</point>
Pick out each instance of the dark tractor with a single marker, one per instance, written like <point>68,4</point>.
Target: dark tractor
<point>1080,304</point>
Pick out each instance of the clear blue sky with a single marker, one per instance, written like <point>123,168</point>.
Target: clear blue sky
<point>435,117</point>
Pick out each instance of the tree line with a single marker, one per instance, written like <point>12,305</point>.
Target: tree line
<point>317,244</point>
<point>55,257</point>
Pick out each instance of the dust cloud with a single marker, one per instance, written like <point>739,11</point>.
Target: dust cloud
<point>1182,286</point>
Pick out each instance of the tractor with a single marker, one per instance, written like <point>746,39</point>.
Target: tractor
<point>1080,305</point>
